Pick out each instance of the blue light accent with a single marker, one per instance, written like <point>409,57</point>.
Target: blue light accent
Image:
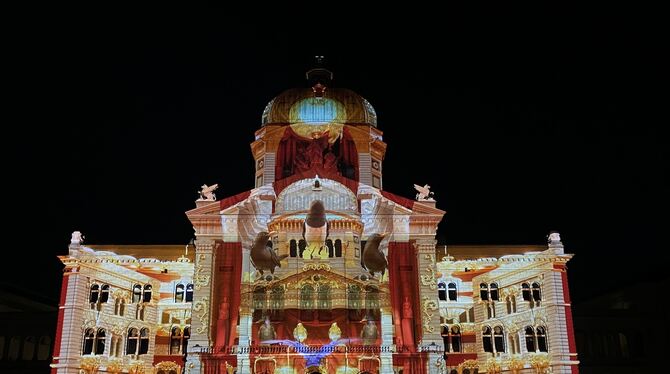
<point>317,110</point>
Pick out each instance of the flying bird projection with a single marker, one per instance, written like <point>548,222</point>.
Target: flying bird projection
<point>262,256</point>
<point>374,260</point>
<point>315,230</point>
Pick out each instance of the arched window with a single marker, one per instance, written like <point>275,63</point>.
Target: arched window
<point>354,297</point>
<point>499,339</point>
<point>513,302</point>
<point>453,294</point>
<point>307,297</point>
<point>371,298</point>
<point>483,291</point>
<point>536,293</point>
<point>513,343</point>
<point>490,310</point>
<point>338,248</point>
<point>186,335</point>
<point>525,291</point>
<point>323,297</point>
<point>144,341</point>
<point>455,334</point>
<point>277,298</point>
<point>445,338</point>
<point>175,341</point>
<point>100,342</point>
<point>122,307</point>
<point>179,293</point>
<point>94,294</point>
<point>541,339</point>
<point>259,298</point>
<point>42,349</point>
<point>147,293</point>
<point>494,292</point>
<point>137,293</point>
<point>487,339</point>
<point>29,345</point>
<point>293,248</point>
<point>530,339</point>
<point>89,340</point>
<point>14,348</point>
<point>132,341</point>
<point>442,291</point>
<point>104,293</point>
<point>331,248</point>
<point>302,244</point>
<point>113,346</point>
<point>189,293</point>
<point>508,302</point>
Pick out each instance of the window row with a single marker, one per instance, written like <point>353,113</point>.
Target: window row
<point>451,338</point>
<point>100,294</point>
<point>179,340</point>
<point>296,248</point>
<point>318,296</point>
<point>493,340</point>
<point>447,291</point>
<point>137,342</point>
<point>182,295</point>
<point>529,292</point>
<point>27,349</point>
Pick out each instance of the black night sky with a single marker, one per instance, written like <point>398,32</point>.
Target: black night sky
<point>521,124</point>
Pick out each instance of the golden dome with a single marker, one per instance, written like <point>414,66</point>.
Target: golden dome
<point>319,106</point>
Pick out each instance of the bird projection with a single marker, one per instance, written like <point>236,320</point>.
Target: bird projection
<point>315,231</point>
<point>262,256</point>
<point>374,260</point>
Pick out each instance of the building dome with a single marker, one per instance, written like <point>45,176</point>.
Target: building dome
<point>319,106</point>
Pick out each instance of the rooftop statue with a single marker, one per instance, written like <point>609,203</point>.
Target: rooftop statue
<point>77,238</point>
<point>424,193</point>
<point>207,192</point>
<point>554,237</point>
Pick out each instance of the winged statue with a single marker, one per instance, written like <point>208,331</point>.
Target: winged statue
<point>424,193</point>
<point>207,192</point>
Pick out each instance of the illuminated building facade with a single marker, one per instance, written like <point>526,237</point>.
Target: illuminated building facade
<point>315,270</point>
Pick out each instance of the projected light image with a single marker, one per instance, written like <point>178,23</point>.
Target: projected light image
<point>317,111</point>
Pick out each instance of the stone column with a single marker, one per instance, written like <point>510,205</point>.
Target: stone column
<point>243,360</point>
<point>386,355</point>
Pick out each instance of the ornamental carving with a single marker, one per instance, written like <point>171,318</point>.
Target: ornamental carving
<point>540,362</point>
<point>468,364</point>
<point>493,366</point>
<point>201,309</point>
<point>199,279</point>
<point>115,365</point>
<point>515,363</point>
<point>429,305</point>
<point>136,367</point>
<point>168,366</point>
<point>90,365</point>
<point>429,279</point>
<point>316,266</point>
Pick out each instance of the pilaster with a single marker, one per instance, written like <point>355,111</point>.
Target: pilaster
<point>386,355</point>
<point>428,300</point>
<point>201,335</point>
